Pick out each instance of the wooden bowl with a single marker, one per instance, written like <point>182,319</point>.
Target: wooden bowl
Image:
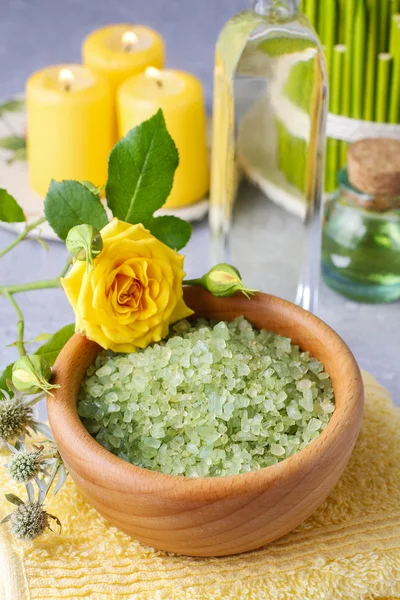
<point>214,516</point>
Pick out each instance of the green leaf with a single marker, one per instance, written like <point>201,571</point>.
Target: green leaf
<point>10,210</point>
<point>19,154</point>
<point>141,171</point>
<point>14,499</point>
<point>42,337</point>
<point>70,203</point>
<point>6,519</point>
<point>172,231</point>
<point>6,375</point>
<point>13,105</point>
<point>12,142</point>
<point>52,348</point>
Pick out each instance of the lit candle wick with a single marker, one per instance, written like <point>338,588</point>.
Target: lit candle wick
<point>129,40</point>
<point>155,74</point>
<point>66,77</point>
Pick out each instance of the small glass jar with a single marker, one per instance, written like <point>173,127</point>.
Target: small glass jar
<point>361,244</point>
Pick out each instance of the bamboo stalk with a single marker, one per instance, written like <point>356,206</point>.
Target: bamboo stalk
<point>342,154</point>
<point>359,59</point>
<point>383,25</point>
<point>394,6</point>
<point>330,14</point>
<point>372,50</point>
<point>394,34</point>
<point>329,174</point>
<point>394,100</point>
<point>338,61</point>
<point>347,87</point>
<point>299,153</point>
<point>283,146</point>
<point>312,12</point>
<point>341,21</point>
<point>322,25</point>
<point>347,79</point>
<point>339,58</point>
<point>384,73</point>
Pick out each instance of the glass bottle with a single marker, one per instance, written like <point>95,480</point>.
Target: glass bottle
<point>270,104</point>
<point>361,244</point>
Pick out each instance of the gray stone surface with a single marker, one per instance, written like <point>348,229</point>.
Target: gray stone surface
<point>35,33</point>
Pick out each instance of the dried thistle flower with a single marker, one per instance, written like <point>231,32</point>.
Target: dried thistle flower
<point>25,464</point>
<point>30,519</point>
<point>15,418</point>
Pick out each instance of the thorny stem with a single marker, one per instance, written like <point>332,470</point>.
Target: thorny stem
<point>67,266</point>
<point>35,285</point>
<point>22,235</point>
<point>26,287</point>
<point>8,290</point>
<point>20,325</point>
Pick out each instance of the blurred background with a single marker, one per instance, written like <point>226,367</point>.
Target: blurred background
<point>36,33</point>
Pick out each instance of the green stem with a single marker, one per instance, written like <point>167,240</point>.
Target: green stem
<point>22,235</point>
<point>20,324</point>
<point>27,287</point>
<point>52,476</point>
<point>35,400</point>
<point>67,266</point>
<point>193,282</point>
<point>36,285</point>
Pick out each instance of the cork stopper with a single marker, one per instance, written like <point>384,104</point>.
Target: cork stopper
<point>374,166</point>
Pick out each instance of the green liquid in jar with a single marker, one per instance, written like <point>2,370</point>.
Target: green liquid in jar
<point>361,251</point>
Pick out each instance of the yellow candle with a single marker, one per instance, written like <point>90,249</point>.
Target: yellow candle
<point>119,51</point>
<point>180,96</point>
<point>70,120</point>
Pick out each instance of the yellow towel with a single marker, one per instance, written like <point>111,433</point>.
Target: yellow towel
<point>348,550</point>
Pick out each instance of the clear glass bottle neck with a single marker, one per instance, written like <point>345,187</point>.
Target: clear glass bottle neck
<point>282,7</point>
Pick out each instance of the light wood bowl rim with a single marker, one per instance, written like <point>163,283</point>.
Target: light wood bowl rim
<point>62,412</point>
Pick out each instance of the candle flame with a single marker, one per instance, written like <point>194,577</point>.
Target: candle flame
<point>155,74</point>
<point>129,40</point>
<point>66,77</point>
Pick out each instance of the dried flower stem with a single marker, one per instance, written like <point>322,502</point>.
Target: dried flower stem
<point>53,475</point>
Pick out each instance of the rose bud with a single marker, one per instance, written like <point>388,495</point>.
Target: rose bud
<point>31,374</point>
<point>223,281</point>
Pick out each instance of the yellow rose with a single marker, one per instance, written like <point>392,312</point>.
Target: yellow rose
<point>133,293</point>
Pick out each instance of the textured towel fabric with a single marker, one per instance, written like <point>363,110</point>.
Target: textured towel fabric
<point>349,549</point>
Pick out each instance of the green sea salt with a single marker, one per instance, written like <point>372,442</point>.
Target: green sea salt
<point>213,399</point>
